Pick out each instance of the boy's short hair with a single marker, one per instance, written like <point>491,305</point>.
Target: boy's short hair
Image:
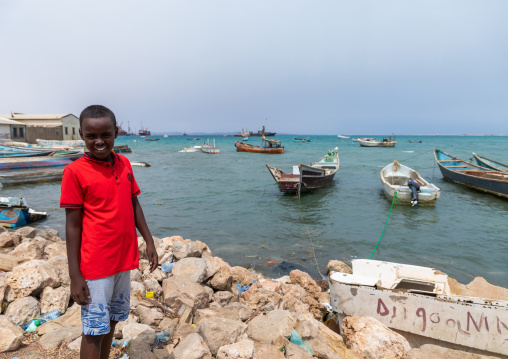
<point>96,111</point>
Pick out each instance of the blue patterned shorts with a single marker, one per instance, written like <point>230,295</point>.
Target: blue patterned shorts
<point>110,301</point>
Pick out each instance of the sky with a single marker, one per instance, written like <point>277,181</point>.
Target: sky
<point>302,67</point>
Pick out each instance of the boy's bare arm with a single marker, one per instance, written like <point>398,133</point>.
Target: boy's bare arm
<point>73,226</point>
<point>142,227</point>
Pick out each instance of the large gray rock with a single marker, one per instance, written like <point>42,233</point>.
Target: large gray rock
<point>262,350</point>
<point>141,331</point>
<point>11,335</point>
<point>26,232</point>
<point>244,349</point>
<point>222,280</point>
<point>373,339</point>
<point>243,310</point>
<point>31,278</point>
<point>217,332</point>
<point>55,299</point>
<point>22,310</point>
<point>191,347</point>
<point>8,239</point>
<point>178,291</point>
<point>266,328</point>
<point>27,251</point>
<point>53,339</point>
<point>138,349</point>
<point>149,316</point>
<point>224,297</point>
<point>429,351</point>
<point>262,299</point>
<point>232,313</point>
<point>193,269</point>
<point>186,248</point>
<point>61,267</point>
<point>293,351</point>
<point>119,326</point>
<point>48,234</point>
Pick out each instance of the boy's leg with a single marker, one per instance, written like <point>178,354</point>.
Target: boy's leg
<point>90,346</point>
<point>107,340</point>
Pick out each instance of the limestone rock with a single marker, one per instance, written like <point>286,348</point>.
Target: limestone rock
<point>262,350</point>
<point>244,349</point>
<point>55,299</point>
<point>178,291</point>
<point>373,339</point>
<point>137,286</point>
<point>429,351</point>
<point>217,332</point>
<point>55,249</point>
<point>119,326</point>
<point>22,310</point>
<point>317,309</point>
<point>149,316</point>
<point>293,351</point>
<point>293,290</point>
<point>138,349</point>
<point>41,242</point>
<point>213,264</point>
<point>222,280</point>
<point>11,335</point>
<point>25,232</point>
<point>244,311</point>
<point>243,276</point>
<point>136,276</point>
<point>48,233</point>
<point>191,347</point>
<point>60,266</point>
<point>186,248</point>
<point>232,313</point>
<point>3,288</point>
<point>193,269</point>
<point>53,339</point>
<point>27,251</point>
<point>152,285</point>
<point>271,285</point>
<point>262,299</point>
<point>266,328</point>
<point>183,330</point>
<point>224,297</point>
<point>31,278</point>
<point>299,309</point>
<point>168,323</point>
<point>75,345</point>
<point>338,266</point>
<point>2,229</point>
<point>8,239</point>
<point>305,281</point>
<point>322,349</point>
<point>141,331</point>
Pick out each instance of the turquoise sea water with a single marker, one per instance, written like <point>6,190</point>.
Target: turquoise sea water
<point>231,202</point>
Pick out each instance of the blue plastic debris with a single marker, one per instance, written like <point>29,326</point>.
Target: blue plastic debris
<point>296,339</point>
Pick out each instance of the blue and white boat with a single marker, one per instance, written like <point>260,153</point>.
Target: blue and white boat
<point>487,162</point>
<point>14,212</point>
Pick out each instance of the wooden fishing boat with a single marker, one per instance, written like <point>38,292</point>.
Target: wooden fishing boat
<point>151,139</point>
<point>192,139</point>
<point>37,162</point>
<point>373,143</point>
<point>191,149</point>
<point>267,146</point>
<point>422,302</point>
<point>209,148</point>
<point>122,149</point>
<point>364,138</point>
<point>14,212</point>
<point>470,175</point>
<point>301,140</point>
<point>30,175</point>
<point>305,178</point>
<point>493,165</point>
<point>139,164</point>
<point>341,136</point>
<point>395,177</point>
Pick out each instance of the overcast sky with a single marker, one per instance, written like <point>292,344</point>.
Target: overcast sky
<point>306,67</point>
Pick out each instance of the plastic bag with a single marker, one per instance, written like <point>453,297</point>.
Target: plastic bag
<point>296,339</point>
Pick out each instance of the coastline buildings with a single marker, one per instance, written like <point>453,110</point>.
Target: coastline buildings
<point>12,130</point>
<point>46,127</point>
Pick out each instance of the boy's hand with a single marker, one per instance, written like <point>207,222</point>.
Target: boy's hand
<point>79,291</point>
<point>153,258</point>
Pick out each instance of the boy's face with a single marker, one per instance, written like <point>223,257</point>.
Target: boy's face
<point>99,135</point>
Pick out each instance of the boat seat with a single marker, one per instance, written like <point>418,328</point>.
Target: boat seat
<point>456,166</point>
<point>296,170</point>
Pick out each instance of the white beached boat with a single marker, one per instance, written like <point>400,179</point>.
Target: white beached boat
<point>140,164</point>
<point>209,148</point>
<point>364,138</point>
<point>55,143</point>
<point>395,177</point>
<point>424,302</point>
<point>367,142</point>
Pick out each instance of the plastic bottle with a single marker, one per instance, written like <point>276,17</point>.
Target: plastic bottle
<point>50,315</point>
<point>34,323</point>
<point>167,267</point>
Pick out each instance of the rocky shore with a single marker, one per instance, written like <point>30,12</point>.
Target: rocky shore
<point>203,308</point>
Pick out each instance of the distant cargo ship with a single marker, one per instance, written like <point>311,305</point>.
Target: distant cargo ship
<point>145,132</point>
<point>257,134</point>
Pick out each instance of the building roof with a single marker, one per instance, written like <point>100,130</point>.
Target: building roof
<point>6,121</point>
<point>22,116</point>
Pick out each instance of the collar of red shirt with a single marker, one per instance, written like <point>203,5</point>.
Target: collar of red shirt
<point>88,156</point>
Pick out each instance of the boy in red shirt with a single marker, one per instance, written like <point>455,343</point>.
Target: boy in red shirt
<point>99,194</point>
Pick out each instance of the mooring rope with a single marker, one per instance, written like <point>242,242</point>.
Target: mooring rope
<point>389,213</point>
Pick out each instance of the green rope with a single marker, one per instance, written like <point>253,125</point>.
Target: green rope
<point>393,201</point>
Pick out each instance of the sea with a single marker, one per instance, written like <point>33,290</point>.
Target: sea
<point>231,202</point>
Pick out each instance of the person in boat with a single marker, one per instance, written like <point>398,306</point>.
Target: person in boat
<point>414,186</point>
<point>99,194</point>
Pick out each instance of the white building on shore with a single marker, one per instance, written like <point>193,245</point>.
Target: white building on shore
<point>59,127</point>
<point>12,130</point>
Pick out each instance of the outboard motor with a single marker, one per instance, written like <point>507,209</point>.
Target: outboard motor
<point>414,186</point>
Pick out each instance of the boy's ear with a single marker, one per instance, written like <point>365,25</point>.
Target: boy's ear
<point>81,134</point>
<point>116,131</point>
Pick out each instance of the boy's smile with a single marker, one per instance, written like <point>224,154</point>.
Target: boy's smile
<point>99,135</point>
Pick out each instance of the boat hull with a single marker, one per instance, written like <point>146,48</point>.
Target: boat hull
<point>244,147</point>
<point>476,177</point>
<point>488,163</point>
<point>394,177</point>
<point>373,143</point>
<point>31,175</point>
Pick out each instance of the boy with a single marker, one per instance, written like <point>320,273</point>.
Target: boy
<point>99,194</point>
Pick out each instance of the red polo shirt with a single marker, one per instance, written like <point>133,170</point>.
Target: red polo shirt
<point>104,192</point>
